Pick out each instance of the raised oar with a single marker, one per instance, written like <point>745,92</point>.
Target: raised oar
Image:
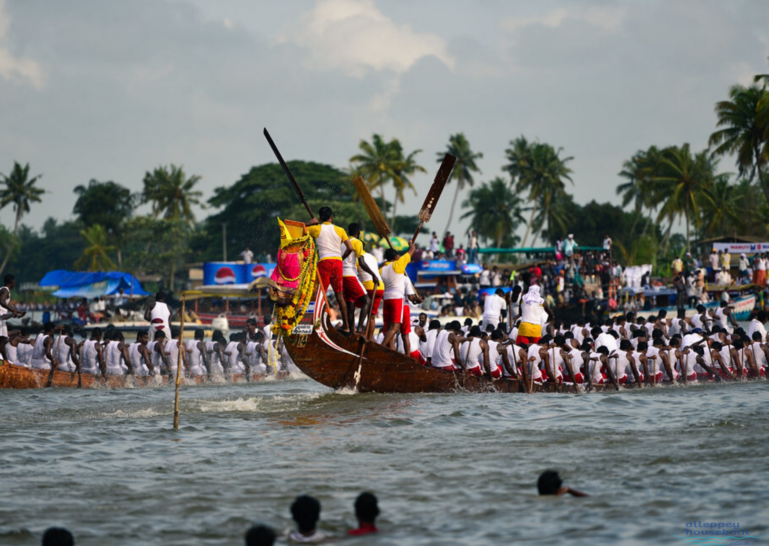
<point>380,224</point>
<point>286,170</point>
<point>179,369</point>
<point>53,367</point>
<point>428,207</point>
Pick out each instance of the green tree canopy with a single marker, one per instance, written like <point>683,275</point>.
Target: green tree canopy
<point>171,193</point>
<point>494,212</point>
<point>105,203</point>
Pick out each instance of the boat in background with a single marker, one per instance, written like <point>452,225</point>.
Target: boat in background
<point>743,300</point>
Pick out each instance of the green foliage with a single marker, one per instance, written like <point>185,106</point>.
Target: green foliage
<point>96,253</point>
<point>157,246</point>
<point>495,213</point>
<point>405,226</point>
<point>107,204</point>
<point>251,205</point>
<point>57,246</point>
<point>171,193</point>
<point>464,167</point>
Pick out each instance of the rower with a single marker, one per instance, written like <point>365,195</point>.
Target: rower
<point>628,360</point>
<point>678,324</point>
<point>374,286</point>
<point>92,355</point>
<point>446,349</point>
<point>215,350</point>
<point>355,293</point>
<point>413,339</point>
<point>702,319</point>
<point>533,308</point>
<point>561,353</point>
<point>743,359</point>
<point>721,356</point>
<point>159,315</point>
<point>41,353</point>
<point>141,358</point>
<point>172,350</point>
<point>198,355</point>
<point>474,354</point>
<point>118,359</point>
<point>494,308</point>
<point>67,359</point>
<point>598,358</point>
<point>6,309</point>
<point>757,325</point>
<point>10,349</point>
<point>159,355</point>
<point>392,272</point>
<point>256,356</point>
<point>655,355</point>
<point>329,240</point>
<point>760,354</point>
<point>427,346</point>
<point>232,352</point>
<point>535,356</point>
<point>724,316</point>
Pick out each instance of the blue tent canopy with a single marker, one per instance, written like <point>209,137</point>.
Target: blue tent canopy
<point>74,284</point>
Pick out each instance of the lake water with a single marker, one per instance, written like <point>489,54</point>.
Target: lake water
<point>453,469</point>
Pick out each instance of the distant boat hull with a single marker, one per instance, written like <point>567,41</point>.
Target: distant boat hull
<point>743,306</point>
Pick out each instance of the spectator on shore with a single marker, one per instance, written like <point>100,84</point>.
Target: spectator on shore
<point>472,247</point>
<point>57,536</point>
<point>247,256</point>
<point>366,512</point>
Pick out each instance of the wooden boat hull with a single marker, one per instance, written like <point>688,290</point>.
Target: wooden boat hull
<point>333,360</point>
<point>19,377</point>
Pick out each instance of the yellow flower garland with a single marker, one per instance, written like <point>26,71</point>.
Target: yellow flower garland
<point>285,317</point>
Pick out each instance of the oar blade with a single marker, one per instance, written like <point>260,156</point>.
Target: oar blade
<point>377,218</point>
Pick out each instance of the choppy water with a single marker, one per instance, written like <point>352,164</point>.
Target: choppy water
<point>448,469</point>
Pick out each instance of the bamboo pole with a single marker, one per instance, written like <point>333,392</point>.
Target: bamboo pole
<point>179,369</point>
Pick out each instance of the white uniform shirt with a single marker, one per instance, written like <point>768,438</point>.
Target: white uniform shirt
<point>492,309</point>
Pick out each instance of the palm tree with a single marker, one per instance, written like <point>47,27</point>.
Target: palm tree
<point>19,190</point>
<point>171,193</point>
<point>404,168</point>
<point>745,133</point>
<point>96,255</point>
<point>639,172</point>
<point>495,212</point>
<point>721,207</point>
<point>377,163</point>
<point>539,169</point>
<point>682,180</point>
<point>464,167</point>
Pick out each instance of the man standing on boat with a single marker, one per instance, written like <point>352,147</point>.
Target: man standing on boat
<point>533,310</point>
<point>494,308</point>
<point>329,240</point>
<point>354,291</point>
<point>392,273</point>
<point>159,315</point>
<point>5,306</point>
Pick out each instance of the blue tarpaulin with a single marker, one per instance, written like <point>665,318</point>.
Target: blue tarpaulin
<point>75,284</point>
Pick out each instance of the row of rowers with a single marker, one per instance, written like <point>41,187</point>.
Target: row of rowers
<point>107,352</point>
<point>625,349</point>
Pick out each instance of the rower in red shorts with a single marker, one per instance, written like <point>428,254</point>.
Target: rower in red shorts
<point>374,286</point>
<point>533,309</point>
<point>355,294</point>
<point>392,273</point>
<point>329,240</point>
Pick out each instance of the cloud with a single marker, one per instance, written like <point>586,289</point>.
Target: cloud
<point>354,36</point>
<point>11,67</point>
<point>608,17</point>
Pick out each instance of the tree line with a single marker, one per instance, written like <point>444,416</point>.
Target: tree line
<point>660,187</point>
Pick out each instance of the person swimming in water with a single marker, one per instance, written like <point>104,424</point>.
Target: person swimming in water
<point>550,483</point>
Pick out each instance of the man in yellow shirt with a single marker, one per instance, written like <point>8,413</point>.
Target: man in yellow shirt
<point>329,240</point>
<point>392,273</point>
<point>355,294</point>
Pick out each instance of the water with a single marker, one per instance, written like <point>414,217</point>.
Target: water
<point>448,469</point>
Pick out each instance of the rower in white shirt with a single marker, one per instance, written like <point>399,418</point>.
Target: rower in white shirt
<point>757,325</point>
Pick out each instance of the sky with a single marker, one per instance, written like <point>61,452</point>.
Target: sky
<point>109,89</point>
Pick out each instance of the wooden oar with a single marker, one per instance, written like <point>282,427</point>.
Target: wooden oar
<point>286,170</point>
<point>179,369</point>
<point>53,368</point>
<point>380,224</point>
<point>428,207</point>
<point>80,365</point>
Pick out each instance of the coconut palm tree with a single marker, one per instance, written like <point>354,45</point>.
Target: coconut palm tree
<point>96,255</point>
<point>464,167</point>
<point>19,190</point>
<point>171,193</point>
<point>745,132</point>
<point>682,180</point>
<point>519,158</point>
<point>377,163</point>
<point>542,174</point>
<point>495,212</point>
<point>405,167</point>
<point>721,208</point>
<point>639,172</point>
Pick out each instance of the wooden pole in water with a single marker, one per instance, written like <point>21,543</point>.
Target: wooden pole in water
<point>179,370</point>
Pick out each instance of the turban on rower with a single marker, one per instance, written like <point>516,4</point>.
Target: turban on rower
<point>532,297</point>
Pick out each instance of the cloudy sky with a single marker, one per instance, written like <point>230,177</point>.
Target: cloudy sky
<point>108,89</point>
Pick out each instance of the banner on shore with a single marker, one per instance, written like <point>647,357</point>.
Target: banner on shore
<point>234,273</point>
<point>742,248</point>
